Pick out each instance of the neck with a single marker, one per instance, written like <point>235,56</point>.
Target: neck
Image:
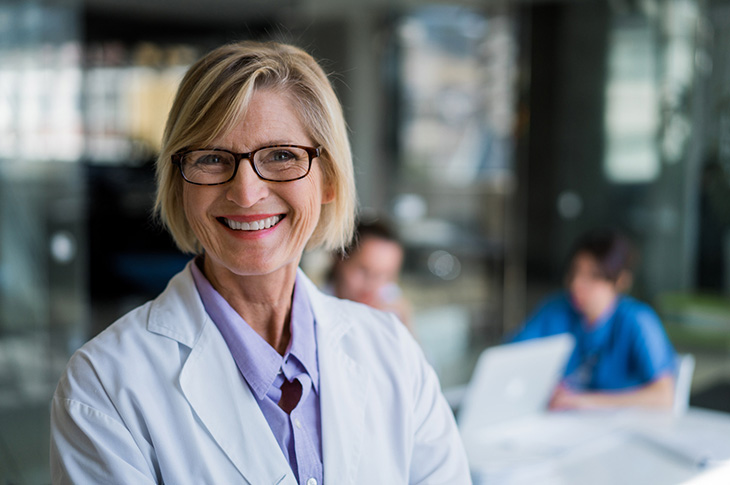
<point>263,301</point>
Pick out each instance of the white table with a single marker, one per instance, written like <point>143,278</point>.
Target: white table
<point>635,448</point>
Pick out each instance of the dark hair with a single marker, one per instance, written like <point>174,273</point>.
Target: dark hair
<point>613,251</point>
<point>376,228</point>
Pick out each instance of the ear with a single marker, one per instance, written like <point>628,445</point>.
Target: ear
<point>624,281</point>
<point>328,193</point>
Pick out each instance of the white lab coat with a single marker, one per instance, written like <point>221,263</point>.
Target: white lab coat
<point>157,398</point>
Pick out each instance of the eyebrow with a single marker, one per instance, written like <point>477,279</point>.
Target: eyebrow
<point>269,143</point>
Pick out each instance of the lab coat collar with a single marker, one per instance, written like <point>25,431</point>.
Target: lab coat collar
<point>220,397</point>
<point>178,313</point>
<point>213,386</point>
<point>345,386</point>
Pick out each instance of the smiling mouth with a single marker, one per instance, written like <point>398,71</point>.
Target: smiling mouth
<point>252,226</point>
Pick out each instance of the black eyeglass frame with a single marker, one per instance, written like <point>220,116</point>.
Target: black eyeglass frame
<point>312,152</point>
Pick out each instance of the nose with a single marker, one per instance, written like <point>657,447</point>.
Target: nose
<point>246,188</point>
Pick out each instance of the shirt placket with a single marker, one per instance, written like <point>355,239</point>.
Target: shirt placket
<point>309,467</point>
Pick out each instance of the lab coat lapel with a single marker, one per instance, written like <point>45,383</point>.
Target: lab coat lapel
<point>217,393</point>
<point>344,390</point>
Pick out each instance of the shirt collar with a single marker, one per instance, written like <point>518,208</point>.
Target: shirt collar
<point>303,344</point>
<point>259,362</point>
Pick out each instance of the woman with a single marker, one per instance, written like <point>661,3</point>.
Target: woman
<point>622,355</point>
<point>241,371</point>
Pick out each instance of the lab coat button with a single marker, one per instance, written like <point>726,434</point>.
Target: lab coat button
<point>311,481</point>
<point>298,424</point>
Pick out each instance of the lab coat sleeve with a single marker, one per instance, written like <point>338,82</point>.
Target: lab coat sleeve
<point>89,446</point>
<point>438,453</point>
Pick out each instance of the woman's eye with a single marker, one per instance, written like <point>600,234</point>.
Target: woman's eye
<point>211,159</point>
<point>280,156</point>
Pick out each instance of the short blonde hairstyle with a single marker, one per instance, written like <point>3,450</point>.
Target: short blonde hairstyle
<point>213,98</point>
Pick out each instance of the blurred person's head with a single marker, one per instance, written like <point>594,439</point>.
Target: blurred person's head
<point>599,269</point>
<point>368,270</point>
<point>213,100</point>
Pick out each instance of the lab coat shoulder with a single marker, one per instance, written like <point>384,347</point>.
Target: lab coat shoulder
<point>387,395</point>
<point>148,342</point>
<point>91,435</point>
<point>157,398</point>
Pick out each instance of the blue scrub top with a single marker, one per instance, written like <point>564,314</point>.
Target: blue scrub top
<point>625,348</point>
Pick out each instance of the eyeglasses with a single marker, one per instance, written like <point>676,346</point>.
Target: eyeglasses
<point>279,163</point>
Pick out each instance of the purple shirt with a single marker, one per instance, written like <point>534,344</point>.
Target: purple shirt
<point>298,433</point>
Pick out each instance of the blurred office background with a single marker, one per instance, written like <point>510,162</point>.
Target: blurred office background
<point>491,132</point>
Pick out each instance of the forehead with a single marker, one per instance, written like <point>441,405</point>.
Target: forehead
<point>584,262</point>
<point>270,118</point>
<point>378,250</point>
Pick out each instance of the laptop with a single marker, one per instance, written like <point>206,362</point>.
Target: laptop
<point>503,418</point>
<point>514,380</point>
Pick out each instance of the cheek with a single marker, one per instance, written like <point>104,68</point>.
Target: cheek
<point>194,208</point>
<point>594,294</point>
<point>189,203</point>
<point>582,293</point>
<point>306,213</point>
<point>569,285</point>
<point>348,280</point>
<point>356,277</point>
<point>607,292</point>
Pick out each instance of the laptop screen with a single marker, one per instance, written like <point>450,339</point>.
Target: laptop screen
<point>514,380</point>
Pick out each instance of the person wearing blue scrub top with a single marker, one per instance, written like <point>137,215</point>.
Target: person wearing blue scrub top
<point>622,355</point>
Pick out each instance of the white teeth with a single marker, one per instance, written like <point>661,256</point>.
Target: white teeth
<point>253,226</point>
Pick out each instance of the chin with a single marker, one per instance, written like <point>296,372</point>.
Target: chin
<point>244,266</point>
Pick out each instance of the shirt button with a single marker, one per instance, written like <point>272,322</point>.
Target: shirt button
<point>311,481</point>
<point>298,424</point>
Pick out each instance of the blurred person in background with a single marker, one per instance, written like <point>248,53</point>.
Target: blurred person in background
<point>242,371</point>
<point>622,356</point>
<point>367,271</point>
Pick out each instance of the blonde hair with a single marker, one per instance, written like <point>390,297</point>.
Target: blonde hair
<point>213,98</point>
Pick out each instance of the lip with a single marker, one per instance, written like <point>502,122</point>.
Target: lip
<point>249,218</point>
<point>249,235</point>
